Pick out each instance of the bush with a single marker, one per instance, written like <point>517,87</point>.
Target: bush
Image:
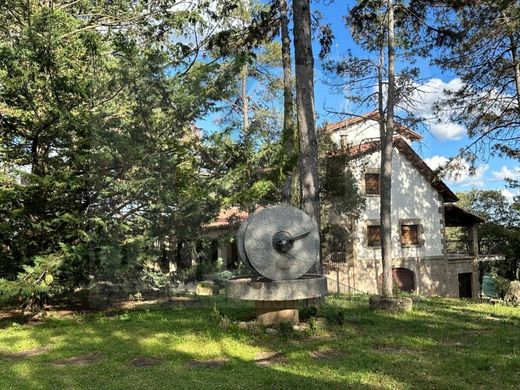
<point>336,315</point>
<point>308,312</point>
<point>501,286</point>
<point>221,278</point>
<point>286,329</point>
<point>507,290</point>
<point>512,295</point>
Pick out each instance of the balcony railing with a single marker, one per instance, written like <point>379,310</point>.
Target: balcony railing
<point>337,257</point>
<point>465,248</point>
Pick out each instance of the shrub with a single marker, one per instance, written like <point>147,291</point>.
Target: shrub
<point>512,295</point>
<point>507,290</point>
<point>336,315</point>
<point>221,278</point>
<point>286,329</point>
<point>501,285</point>
<point>308,312</point>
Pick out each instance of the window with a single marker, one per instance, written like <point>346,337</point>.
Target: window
<point>409,235</point>
<point>372,183</point>
<point>374,235</point>
<point>343,141</point>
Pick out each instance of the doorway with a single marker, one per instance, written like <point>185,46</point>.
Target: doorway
<point>465,285</point>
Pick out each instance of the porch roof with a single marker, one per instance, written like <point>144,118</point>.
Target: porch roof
<point>456,216</point>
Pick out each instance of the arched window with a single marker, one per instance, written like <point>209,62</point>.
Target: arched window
<point>404,279</point>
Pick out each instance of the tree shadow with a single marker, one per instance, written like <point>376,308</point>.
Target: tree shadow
<point>426,348</point>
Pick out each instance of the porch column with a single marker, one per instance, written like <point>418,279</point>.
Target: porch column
<point>475,282</point>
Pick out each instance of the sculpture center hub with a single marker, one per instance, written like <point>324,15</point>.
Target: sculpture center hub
<point>283,242</point>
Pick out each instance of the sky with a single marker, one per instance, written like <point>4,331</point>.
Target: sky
<point>440,141</point>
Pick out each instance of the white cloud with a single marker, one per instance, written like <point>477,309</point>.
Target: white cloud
<point>458,172</point>
<point>507,173</point>
<point>509,195</point>
<point>424,98</point>
<point>435,162</point>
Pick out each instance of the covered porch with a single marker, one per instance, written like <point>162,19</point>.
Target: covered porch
<point>464,250</point>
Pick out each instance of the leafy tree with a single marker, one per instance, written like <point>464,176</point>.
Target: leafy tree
<point>341,201</point>
<point>481,46</point>
<point>500,231</point>
<point>103,164</point>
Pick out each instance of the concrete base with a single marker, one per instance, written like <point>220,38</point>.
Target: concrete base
<point>275,312</point>
<point>253,288</point>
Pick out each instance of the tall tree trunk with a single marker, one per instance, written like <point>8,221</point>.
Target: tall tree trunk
<point>288,105</point>
<point>310,201</point>
<point>245,99</point>
<point>516,67</point>
<point>386,161</point>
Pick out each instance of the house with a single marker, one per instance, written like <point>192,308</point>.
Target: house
<point>221,231</point>
<point>423,207</point>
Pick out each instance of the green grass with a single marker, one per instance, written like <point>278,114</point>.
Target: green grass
<point>443,343</point>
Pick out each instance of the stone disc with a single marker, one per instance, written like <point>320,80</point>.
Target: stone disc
<point>240,242</point>
<point>272,263</point>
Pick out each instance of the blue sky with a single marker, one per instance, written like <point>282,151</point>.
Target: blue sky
<point>440,141</point>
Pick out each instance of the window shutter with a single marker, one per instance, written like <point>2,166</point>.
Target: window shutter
<point>372,183</point>
<point>409,235</point>
<point>374,235</point>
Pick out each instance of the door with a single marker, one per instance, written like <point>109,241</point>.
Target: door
<point>404,279</point>
<point>465,285</point>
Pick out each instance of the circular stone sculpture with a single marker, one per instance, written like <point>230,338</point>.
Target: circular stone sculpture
<point>279,242</point>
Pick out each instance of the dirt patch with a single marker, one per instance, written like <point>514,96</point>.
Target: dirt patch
<point>210,363</point>
<point>327,354</point>
<point>145,361</point>
<point>267,358</point>
<point>89,358</point>
<point>452,343</point>
<point>67,307</point>
<point>24,354</point>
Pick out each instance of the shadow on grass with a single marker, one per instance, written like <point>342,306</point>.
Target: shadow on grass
<point>439,345</point>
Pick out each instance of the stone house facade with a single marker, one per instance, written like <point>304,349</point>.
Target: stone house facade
<point>423,207</point>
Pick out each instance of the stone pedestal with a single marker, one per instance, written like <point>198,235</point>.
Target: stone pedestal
<point>277,300</point>
<point>275,312</point>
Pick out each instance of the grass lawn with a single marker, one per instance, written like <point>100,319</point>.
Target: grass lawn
<point>443,343</point>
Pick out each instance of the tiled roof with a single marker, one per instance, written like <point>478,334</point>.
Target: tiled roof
<point>374,115</point>
<point>227,218</point>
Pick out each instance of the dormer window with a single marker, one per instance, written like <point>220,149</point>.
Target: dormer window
<point>372,183</point>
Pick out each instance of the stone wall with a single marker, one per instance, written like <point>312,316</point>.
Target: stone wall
<point>434,276</point>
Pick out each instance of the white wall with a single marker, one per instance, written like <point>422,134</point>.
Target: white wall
<point>413,197</point>
<point>359,133</point>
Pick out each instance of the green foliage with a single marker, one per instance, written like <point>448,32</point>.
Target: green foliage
<point>101,164</point>
<point>308,312</point>
<point>508,290</point>
<point>336,315</point>
<point>34,283</point>
<point>221,278</point>
<point>286,330</point>
<point>480,45</point>
<point>499,233</point>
